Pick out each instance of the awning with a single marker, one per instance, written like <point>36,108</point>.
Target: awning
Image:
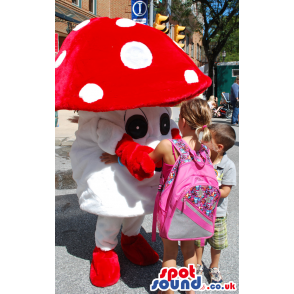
<point>69,14</point>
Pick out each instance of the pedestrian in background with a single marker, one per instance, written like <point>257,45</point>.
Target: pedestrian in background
<point>212,102</point>
<point>235,101</point>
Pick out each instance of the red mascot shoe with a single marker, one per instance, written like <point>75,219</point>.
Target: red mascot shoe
<point>137,250</point>
<point>105,269</point>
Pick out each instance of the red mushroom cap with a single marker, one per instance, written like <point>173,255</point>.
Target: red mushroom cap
<point>116,64</point>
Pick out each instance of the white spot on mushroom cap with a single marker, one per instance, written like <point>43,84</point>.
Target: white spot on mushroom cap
<point>81,25</point>
<point>60,59</point>
<point>91,93</point>
<point>125,23</point>
<point>191,77</point>
<point>135,55</point>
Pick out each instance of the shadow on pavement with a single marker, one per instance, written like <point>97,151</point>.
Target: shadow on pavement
<point>206,271</point>
<point>135,276</point>
<point>75,119</point>
<point>75,229</point>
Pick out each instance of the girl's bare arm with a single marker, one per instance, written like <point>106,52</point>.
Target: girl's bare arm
<point>108,158</point>
<point>160,151</point>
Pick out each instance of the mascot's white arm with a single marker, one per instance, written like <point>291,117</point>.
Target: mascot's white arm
<point>109,134</point>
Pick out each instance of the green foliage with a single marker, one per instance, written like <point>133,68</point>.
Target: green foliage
<point>160,7</point>
<point>217,20</point>
<point>181,12</point>
<point>232,47</point>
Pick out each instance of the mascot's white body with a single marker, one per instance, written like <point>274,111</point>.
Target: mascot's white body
<point>110,191</point>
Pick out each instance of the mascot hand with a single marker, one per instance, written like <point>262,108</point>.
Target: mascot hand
<point>135,157</point>
<point>175,134</point>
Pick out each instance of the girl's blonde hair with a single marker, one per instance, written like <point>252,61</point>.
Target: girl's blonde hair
<point>197,114</point>
<point>211,99</point>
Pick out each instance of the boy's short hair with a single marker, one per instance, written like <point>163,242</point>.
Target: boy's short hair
<point>223,134</point>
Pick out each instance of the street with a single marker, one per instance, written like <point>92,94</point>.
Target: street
<point>74,239</point>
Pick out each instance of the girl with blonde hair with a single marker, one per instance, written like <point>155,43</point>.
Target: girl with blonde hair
<point>195,116</point>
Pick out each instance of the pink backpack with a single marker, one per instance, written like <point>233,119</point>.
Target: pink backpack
<point>185,205</point>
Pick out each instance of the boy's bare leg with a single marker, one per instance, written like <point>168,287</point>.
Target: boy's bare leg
<point>215,256</point>
<point>199,253</point>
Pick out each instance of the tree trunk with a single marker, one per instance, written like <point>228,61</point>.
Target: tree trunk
<point>210,74</point>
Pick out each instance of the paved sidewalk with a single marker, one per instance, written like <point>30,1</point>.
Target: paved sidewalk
<point>68,125</point>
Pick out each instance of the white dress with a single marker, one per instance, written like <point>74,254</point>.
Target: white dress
<point>210,105</point>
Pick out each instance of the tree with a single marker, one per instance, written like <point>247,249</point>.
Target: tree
<point>216,20</point>
<point>232,47</point>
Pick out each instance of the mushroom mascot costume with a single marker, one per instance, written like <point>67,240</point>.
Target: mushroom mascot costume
<point>122,77</point>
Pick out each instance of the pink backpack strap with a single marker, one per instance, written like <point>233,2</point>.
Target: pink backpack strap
<point>155,210</point>
<point>205,151</point>
<point>174,152</point>
<point>176,143</point>
<point>185,150</point>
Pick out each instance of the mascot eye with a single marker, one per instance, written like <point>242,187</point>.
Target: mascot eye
<point>164,124</point>
<point>137,126</point>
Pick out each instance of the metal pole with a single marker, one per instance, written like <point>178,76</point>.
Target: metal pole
<point>213,82</point>
<point>151,14</point>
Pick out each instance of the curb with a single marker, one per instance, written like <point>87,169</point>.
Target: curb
<point>63,141</point>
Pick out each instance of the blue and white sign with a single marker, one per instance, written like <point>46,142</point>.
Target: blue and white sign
<point>140,11</point>
<point>168,8</point>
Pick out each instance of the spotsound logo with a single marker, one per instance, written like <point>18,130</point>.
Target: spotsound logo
<point>185,279</point>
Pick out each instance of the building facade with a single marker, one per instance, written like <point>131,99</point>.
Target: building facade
<point>193,45</point>
<point>69,13</point>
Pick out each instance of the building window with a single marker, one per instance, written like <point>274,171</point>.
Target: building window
<point>187,44</point>
<point>92,6</point>
<point>77,3</point>
<point>192,50</point>
<point>235,72</point>
<point>197,48</point>
<point>60,41</point>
